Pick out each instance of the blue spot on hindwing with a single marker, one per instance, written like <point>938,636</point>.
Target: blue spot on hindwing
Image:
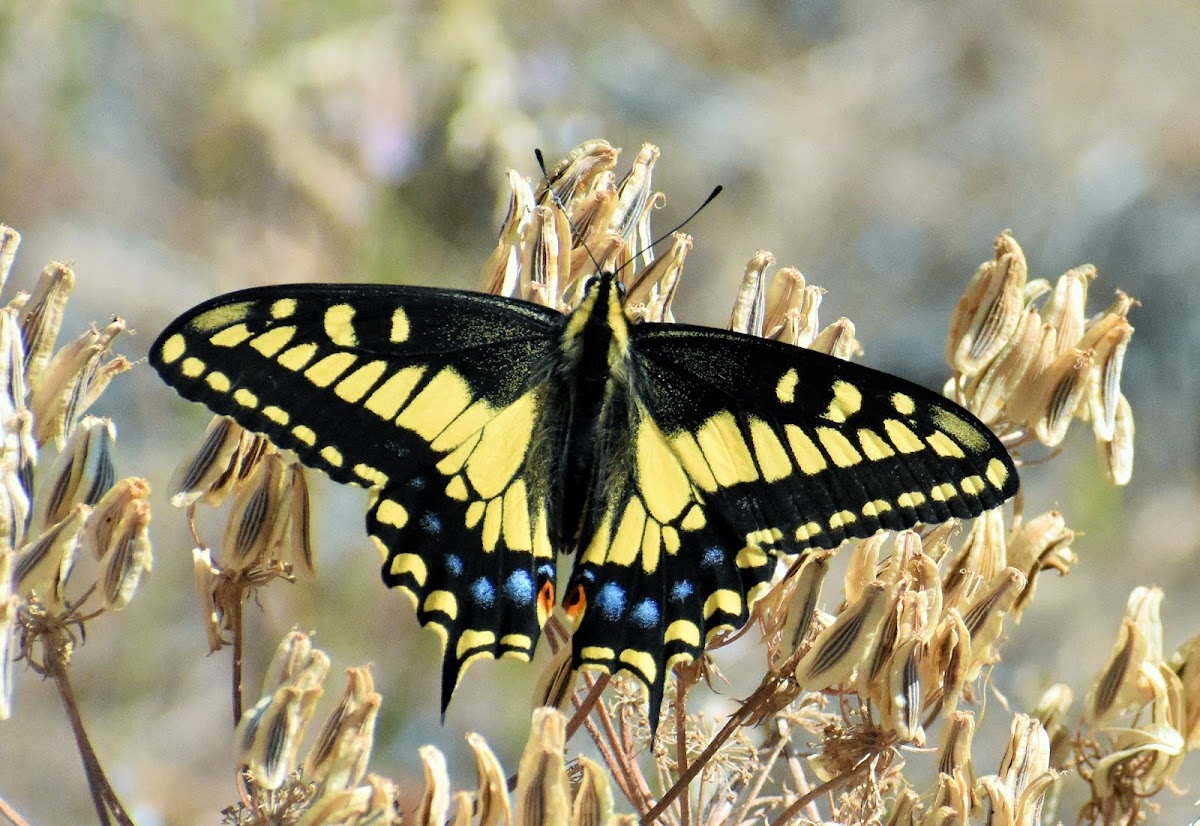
<point>645,614</point>
<point>610,601</point>
<point>483,592</point>
<point>518,588</point>
<point>681,590</point>
<point>453,563</point>
<point>713,557</point>
<point>431,523</point>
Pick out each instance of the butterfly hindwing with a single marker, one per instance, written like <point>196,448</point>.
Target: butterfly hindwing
<point>430,397</point>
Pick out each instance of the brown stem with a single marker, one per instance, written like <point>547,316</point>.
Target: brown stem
<point>828,787</point>
<point>681,761</point>
<point>731,725</point>
<point>104,798</point>
<point>235,629</point>
<point>11,814</point>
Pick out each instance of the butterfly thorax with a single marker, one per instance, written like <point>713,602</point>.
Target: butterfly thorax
<point>593,372</point>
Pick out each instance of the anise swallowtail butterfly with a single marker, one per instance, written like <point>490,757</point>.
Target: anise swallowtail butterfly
<point>675,461</point>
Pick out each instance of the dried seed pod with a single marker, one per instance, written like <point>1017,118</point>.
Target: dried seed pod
<point>102,525</point>
<point>294,653</point>
<point>842,647</point>
<point>801,605</point>
<point>838,340</point>
<point>990,392</point>
<point>1127,680</point>
<point>210,470</point>
<point>662,279</point>
<point>543,795</point>
<point>82,473</point>
<point>42,316</point>
<point>750,305</point>
<point>593,803</point>
<point>299,535</point>
<point>45,564</point>
<point>1062,390</point>
<point>1051,711</point>
<point>545,262</point>
<point>988,312</point>
<point>985,618</point>
<point>1118,453</point>
<point>1025,769</point>
<point>435,799</point>
<point>208,578</point>
<point>14,504</point>
<point>492,798</point>
<point>10,240</point>
<point>339,756</point>
<point>502,270</point>
<point>256,520</point>
<point>573,175</point>
<point>635,194</point>
<point>1065,309</point>
<point>13,392</point>
<point>785,295</point>
<point>127,558</point>
<point>954,747</point>
<point>556,682</point>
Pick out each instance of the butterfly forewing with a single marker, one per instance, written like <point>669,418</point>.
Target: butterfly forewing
<point>430,397</point>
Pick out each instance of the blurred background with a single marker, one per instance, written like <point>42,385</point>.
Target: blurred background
<point>169,151</point>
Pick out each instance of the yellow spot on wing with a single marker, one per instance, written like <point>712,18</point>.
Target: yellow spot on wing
<point>192,367</point>
<point>943,492</point>
<point>627,541</point>
<point>410,564</point>
<point>276,414</point>
<point>785,390</point>
<point>475,512</point>
<point>283,308</point>
<point>693,461</point>
<point>903,404</point>
<point>876,507</point>
<point>443,601</point>
<point>808,456</point>
<point>841,519</point>
<point>388,397</point>
<point>517,641</point>
<point>274,340</point>
<point>326,371</point>
<point>219,317</point>
<point>172,349</point>
<point>727,453</point>
<point>807,531</point>
<point>516,518</point>
<point>902,437</point>
<point>972,485</point>
<point>468,423</point>
<point>339,325</point>
<point>245,398</point>
<point>230,336</point>
<point>472,639</point>
<point>372,475</point>
<point>651,546</point>
<point>694,520</point>
<point>943,445</point>
<point>355,386</point>
<point>218,381</point>
<point>684,631</point>
<point>964,433</point>
<point>772,459</point>
<point>332,455</point>
<point>912,499</point>
<point>845,403</point>
<point>838,447</point>
<point>456,489</point>
<point>670,539</point>
<point>400,331</point>
<point>436,405</point>
<point>305,434</point>
<point>641,662</point>
<point>873,445</point>
<point>661,478</point>
<point>724,600</point>
<point>492,524</point>
<point>997,473</point>
<point>502,447</point>
<point>298,356</point>
<point>751,557</point>
<point>597,653</point>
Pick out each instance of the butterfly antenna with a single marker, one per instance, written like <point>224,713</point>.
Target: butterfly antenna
<point>637,282</point>
<point>541,161</point>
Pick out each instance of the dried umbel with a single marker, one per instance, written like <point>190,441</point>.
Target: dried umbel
<point>74,539</point>
<point>1029,371</point>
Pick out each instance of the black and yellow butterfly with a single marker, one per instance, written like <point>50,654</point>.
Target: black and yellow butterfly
<point>675,461</point>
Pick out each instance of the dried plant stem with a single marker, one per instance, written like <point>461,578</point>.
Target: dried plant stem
<point>104,798</point>
<point>11,814</point>
<point>731,725</point>
<point>828,787</point>
<point>235,629</point>
<point>685,805</point>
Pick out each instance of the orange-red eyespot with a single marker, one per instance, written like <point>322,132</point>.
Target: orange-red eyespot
<point>545,602</point>
<point>575,604</point>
